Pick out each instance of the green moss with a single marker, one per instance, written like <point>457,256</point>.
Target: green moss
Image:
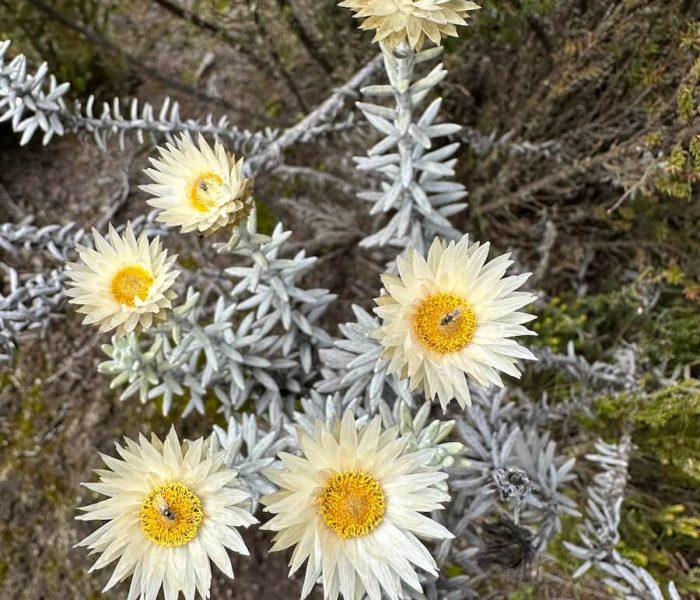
<point>694,149</point>
<point>598,322</point>
<point>660,516</point>
<point>665,332</point>
<point>32,405</point>
<point>666,423</point>
<point>674,337</point>
<point>569,533</point>
<point>273,108</point>
<point>526,591</point>
<point>452,570</point>
<point>188,262</point>
<point>593,323</point>
<point>647,67</point>
<point>267,220</point>
<point>687,105</point>
<point>652,537</point>
<point>559,322</point>
<point>674,181</point>
<point>212,414</point>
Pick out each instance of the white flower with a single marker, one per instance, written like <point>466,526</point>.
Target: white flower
<point>197,188</point>
<point>450,316</point>
<point>351,507</point>
<point>411,20</point>
<point>170,510</point>
<point>122,283</point>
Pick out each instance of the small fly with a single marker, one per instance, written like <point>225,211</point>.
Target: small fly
<point>160,503</point>
<point>450,317</point>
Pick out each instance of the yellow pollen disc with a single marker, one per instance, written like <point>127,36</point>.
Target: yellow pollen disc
<point>352,504</point>
<point>444,322</point>
<point>203,191</point>
<point>130,283</point>
<point>171,515</point>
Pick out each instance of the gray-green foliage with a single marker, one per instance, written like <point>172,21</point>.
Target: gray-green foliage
<point>252,343</point>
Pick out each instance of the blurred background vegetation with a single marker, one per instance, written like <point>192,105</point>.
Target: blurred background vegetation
<point>583,126</point>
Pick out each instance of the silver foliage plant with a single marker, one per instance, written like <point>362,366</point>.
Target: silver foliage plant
<point>248,339</point>
<point>599,532</point>
<point>33,300</point>
<point>415,172</point>
<point>30,101</point>
<point>34,103</point>
<point>258,341</point>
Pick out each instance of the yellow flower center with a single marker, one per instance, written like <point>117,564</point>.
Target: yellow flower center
<point>352,504</point>
<point>444,322</point>
<point>203,191</point>
<point>171,515</point>
<point>130,283</point>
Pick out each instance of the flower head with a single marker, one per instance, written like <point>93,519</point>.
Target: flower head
<point>351,508</point>
<point>197,188</point>
<point>411,20</point>
<point>170,510</point>
<point>450,316</point>
<point>123,282</point>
